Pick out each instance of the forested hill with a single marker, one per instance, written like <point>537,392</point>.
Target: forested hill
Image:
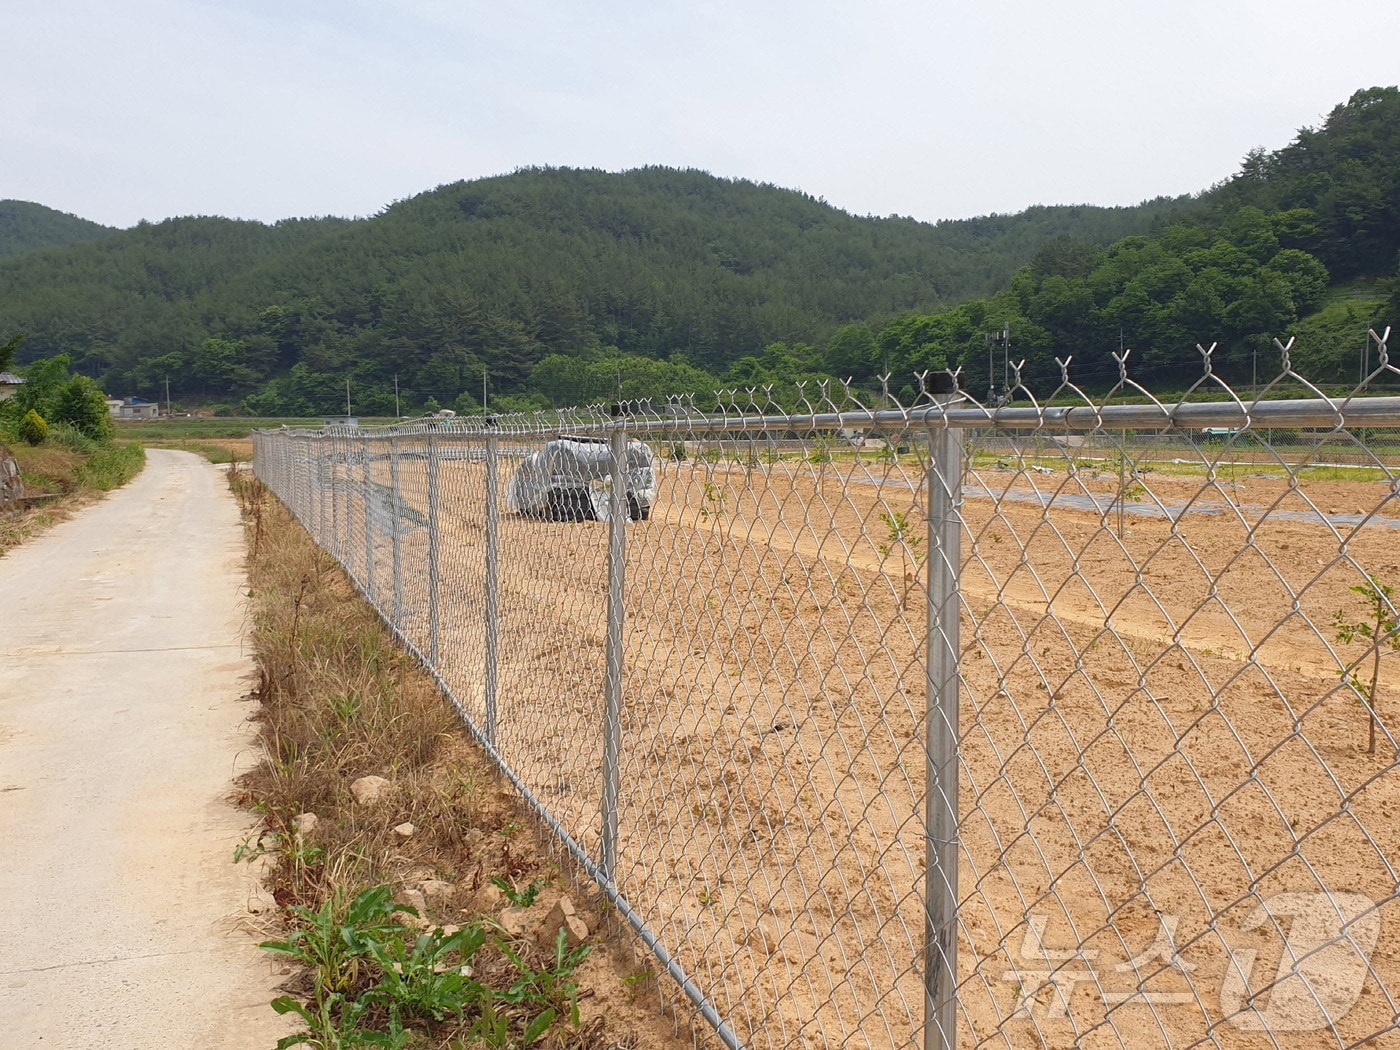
<point>498,274</point>
<point>562,285</point>
<point>25,226</point>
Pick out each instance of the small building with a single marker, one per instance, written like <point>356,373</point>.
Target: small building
<point>133,408</point>
<point>9,383</point>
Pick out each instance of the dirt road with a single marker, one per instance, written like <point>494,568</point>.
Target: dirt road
<point>121,665</point>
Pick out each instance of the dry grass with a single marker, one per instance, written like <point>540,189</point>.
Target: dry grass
<point>339,701</point>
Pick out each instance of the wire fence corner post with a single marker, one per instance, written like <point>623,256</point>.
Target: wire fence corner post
<point>618,513</point>
<point>434,613</point>
<point>397,529</point>
<point>944,546</point>
<point>493,601</point>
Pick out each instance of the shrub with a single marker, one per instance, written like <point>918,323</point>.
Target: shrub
<point>81,405</point>
<point>32,428</point>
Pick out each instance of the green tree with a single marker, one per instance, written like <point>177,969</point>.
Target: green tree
<point>851,352</point>
<point>83,406</point>
<point>43,381</point>
<point>7,352</point>
<point>1307,278</point>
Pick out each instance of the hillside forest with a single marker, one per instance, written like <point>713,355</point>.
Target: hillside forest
<point>556,286</point>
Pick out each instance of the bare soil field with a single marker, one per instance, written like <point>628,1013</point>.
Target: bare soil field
<point>1163,775</point>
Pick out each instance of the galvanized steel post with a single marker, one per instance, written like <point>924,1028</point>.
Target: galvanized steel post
<point>493,515</point>
<point>612,683</point>
<point>396,511</point>
<point>433,583</point>
<point>334,545</point>
<point>316,467</point>
<point>366,502</point>
<point>944,547</point>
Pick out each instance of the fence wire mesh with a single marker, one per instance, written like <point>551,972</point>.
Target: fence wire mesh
<point>950,724</point>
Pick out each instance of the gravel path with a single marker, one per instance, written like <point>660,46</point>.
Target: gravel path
<point>121,666</point>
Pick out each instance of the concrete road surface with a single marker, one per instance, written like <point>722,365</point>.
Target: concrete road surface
<point>121,666</point>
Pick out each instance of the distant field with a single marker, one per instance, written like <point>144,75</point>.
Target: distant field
<point>205,427</point>
<point>219,439</point>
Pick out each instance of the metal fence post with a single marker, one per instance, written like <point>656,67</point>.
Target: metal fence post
<point>493,514</point>
<point>433,588</point>
<point>334,539</point>
<point>366,501</point>
<point>612,683</point>
<point>944,546</point>
<point>310,466</point>
<point>396,528</point>
<point>314,462</point>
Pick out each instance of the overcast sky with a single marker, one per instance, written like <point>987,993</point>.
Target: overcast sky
<point>121,110</point>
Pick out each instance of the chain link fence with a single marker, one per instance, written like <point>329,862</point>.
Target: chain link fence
<point>947,724</point>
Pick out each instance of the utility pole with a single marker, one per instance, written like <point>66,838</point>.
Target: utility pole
<point>1006,360</point>
<point>167,396</point>
<point>347,399</point>
<point>483,390</point>
<point>999,339</point>
<point>991,376</point>
<point>396,395</point>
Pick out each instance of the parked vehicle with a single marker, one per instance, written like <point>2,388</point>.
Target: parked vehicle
<point>567,481</point>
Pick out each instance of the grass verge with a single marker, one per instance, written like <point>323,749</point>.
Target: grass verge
<point>432,917</point>
<point>216,450</point>
<point>64,473</point>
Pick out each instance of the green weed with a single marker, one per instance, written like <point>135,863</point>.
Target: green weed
<point>430,978</point>
<point>520,898</point>
<point>333,1024</point>
<point>334,941</point>
<point>542,996</point>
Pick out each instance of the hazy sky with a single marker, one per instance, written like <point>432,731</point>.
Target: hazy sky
<point>119,110</point>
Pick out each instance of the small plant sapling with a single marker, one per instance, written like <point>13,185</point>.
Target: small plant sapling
<point>1379,627</point>
<point>714,502</point>
<point>900,536</point>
